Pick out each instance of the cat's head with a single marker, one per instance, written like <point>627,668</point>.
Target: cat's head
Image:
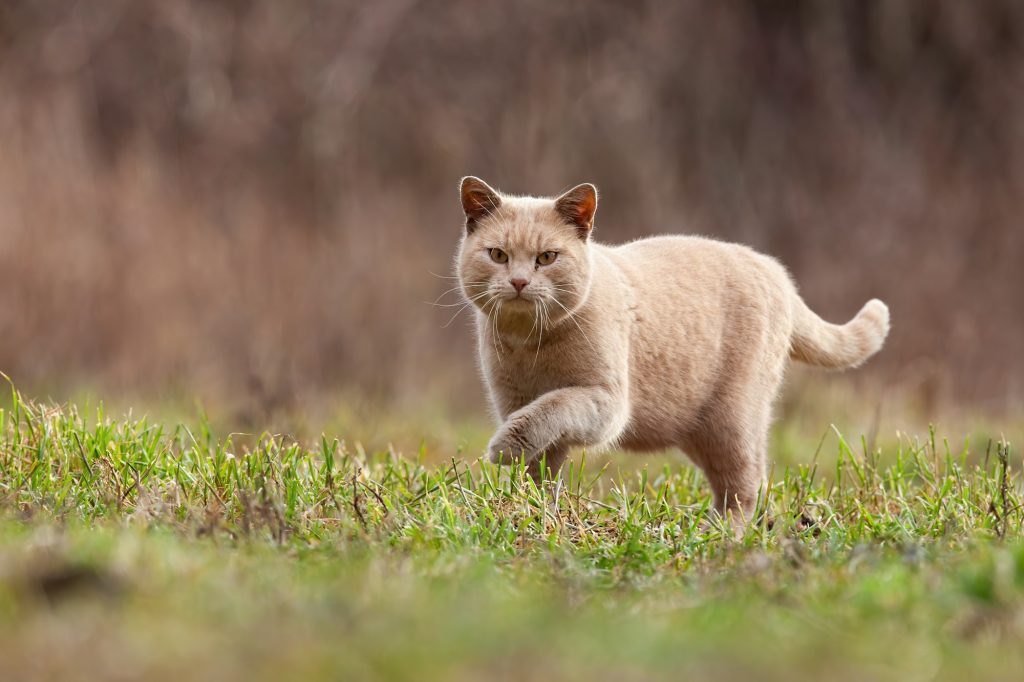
<point>526,256</point>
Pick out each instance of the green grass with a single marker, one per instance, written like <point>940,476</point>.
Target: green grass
<point>132,550</point>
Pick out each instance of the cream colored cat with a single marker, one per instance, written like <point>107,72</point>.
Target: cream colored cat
<point>667,341</point>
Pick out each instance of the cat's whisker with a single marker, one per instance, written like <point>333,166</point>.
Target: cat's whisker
<point>462,305</point>
<point>496,338</point>
<point>491,321</point>
<point>455,277</point>
<point>573,318</point>
<point>448,291</point>
<point>535,318</point>
<point>457,313</point>
<point>540,308</point>
<point>468,299</point>
<point>446,305</point>
<point>459,289</point>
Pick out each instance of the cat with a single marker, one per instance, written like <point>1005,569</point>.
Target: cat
<point>669,341</point>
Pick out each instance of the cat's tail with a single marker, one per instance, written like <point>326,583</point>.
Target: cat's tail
<point>821,343</point>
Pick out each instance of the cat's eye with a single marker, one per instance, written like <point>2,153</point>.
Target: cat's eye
<point>547,258</point>
<point>498,256</point>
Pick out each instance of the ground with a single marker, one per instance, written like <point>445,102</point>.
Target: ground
<point>135,550</point>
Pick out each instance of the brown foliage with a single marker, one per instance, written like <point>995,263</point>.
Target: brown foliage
<point>253,194</point>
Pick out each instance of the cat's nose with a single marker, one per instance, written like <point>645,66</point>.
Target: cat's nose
<point>519,283</point>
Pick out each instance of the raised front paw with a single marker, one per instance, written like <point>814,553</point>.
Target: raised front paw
<point>510,443</point>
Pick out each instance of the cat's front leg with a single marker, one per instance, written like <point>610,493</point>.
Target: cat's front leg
<point>515,439</point>
<point>583,415</point>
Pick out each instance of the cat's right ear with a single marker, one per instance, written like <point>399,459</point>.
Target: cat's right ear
<point>478,201</point>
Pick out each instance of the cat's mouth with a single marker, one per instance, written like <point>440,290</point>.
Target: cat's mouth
<point>520,297</point>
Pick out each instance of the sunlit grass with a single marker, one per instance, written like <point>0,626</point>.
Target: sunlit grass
<point>261,556</point>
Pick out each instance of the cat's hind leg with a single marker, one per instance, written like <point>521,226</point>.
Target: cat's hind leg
<point>732,452</point>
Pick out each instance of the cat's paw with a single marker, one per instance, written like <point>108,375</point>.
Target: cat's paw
<point>510,444</point>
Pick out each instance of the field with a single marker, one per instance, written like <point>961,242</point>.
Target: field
<point>136,550</point>
<point>247,440</point>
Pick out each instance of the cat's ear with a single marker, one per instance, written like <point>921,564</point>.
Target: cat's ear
<point>478,201</point>
<point>577,207</point>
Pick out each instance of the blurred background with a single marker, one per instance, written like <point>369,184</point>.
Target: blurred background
<point>254,202</point>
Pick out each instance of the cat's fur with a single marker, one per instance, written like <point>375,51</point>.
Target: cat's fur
<point>667,341</point>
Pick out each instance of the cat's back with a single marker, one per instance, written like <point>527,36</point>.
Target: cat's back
<point>669,265</point>
<point>686,253</point>
<point>698,305</point>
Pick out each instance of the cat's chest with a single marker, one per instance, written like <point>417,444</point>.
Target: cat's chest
<point>518,376</point>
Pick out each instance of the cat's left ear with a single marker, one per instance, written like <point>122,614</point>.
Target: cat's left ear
<point>577,207</point>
